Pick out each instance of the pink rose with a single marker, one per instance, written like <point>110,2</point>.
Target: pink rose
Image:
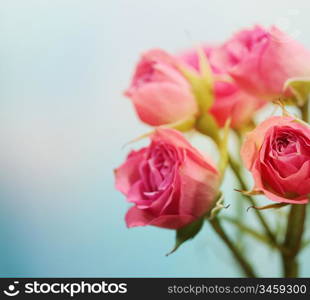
<point>159,92</point>
<point>230,100</point>
<point>262,60</point>
<point>170,183</point>
<point>277,153</point>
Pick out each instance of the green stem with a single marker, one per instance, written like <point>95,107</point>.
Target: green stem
<point>243,263</point>
<point>293,239</point>
<point>251,232</point>
<point>236,169</point>
<point>295,226</point>
<point>305,112</point>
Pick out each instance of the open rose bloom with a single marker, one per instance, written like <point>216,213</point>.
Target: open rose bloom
<point>170,183</point>
<point>277,153</point>
<point>261,60</point>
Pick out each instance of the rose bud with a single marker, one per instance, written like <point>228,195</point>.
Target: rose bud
<point>159,92</point>
<point>170,183</point>
<point>277,153</point>
<point>261,60</point>
<point>229,100</point>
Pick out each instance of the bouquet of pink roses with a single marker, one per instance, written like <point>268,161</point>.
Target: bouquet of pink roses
<point>216,91</point>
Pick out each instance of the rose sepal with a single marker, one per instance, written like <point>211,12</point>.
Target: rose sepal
<point>299,88</point>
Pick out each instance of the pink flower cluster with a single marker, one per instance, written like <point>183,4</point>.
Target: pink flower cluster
<point>171,183</point>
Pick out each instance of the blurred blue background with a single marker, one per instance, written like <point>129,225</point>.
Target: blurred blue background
<point>64,120</point>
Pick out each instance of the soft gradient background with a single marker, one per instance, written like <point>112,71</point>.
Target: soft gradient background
<point>63,122</point>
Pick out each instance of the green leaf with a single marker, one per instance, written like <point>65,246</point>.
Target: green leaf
<point>186,233</point>
<point>300,88</point>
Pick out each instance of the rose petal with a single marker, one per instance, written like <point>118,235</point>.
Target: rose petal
<point>128,173</point>
<point>136,217</point>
